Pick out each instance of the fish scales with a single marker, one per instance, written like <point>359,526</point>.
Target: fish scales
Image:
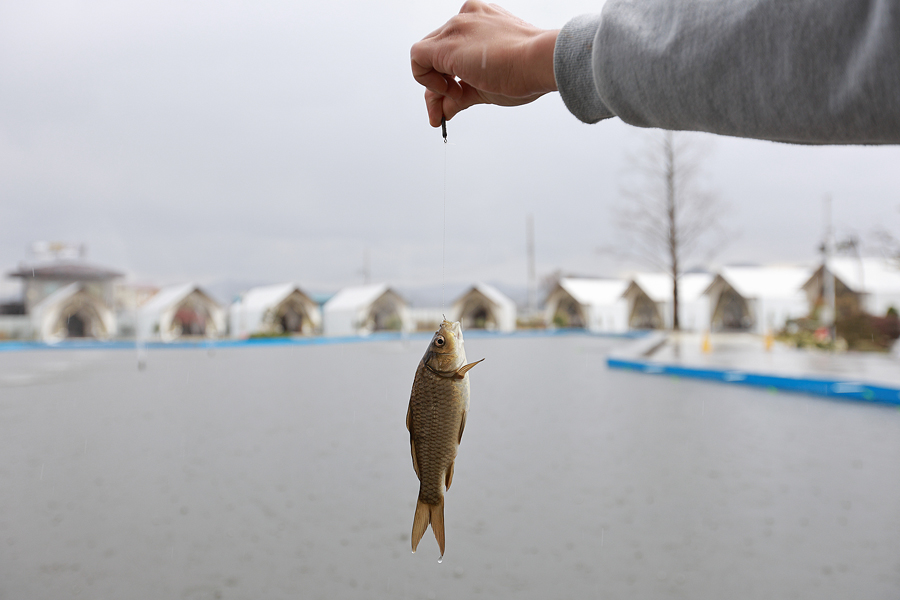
<point>436,418</point>
<point>437,405</point>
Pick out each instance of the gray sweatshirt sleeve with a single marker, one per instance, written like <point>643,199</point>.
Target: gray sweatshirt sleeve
<point>803,71</point>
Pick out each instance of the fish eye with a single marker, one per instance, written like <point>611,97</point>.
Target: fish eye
<point>439,341</point>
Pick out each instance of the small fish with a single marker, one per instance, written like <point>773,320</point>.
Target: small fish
<point>436,418</point>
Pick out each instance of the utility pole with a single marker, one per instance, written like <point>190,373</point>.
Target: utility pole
<point>365,269</point>
<point>532,277</point>
<point>829,312</point>
<point>673,237</point>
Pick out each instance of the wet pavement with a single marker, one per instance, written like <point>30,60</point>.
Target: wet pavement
<point>284,471</point>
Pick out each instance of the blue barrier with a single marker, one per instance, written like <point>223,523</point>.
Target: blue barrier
<point>834,388</point>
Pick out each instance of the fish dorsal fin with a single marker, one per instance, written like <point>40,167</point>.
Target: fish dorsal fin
<point>461,372</point>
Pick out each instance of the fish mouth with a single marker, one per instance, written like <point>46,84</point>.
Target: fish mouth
<point>455,328</point>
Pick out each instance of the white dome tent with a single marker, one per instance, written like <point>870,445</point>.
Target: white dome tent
<point>756,299</point>
<point>280,309</point>
<point>484,307</point>
<point>650,305</point>
<point>72,312</point>
<point>180,311</point>
<point>362,310</point>
<point>870,284</point>
<point>597,305</point>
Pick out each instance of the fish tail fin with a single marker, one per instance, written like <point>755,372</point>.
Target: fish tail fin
<point>428,514</point>
<point>420,523</point>
<point>437,524</point>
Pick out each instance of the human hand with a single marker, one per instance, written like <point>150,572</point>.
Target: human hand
<point>483,55</point>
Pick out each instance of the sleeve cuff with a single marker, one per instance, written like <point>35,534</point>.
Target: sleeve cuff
<point>573,69</point>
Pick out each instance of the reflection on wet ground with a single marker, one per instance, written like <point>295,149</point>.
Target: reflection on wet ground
<point>268,472</point>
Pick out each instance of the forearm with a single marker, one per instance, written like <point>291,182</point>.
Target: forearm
<point>798,71</point>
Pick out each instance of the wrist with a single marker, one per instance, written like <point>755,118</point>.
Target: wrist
<point>539,58</point>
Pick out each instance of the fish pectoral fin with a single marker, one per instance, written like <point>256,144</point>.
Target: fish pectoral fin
<point>409,418</point>
<point>412,450</point>
<point>449,478</point>
<point>461,372</point>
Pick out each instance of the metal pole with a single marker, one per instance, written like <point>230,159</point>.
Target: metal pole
<point>830,315</point>
<point>532,277</point>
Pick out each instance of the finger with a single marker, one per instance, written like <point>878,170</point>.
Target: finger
<point>441,106</point>
<point>434,81</point>
<point>439,83</point>
<point>434,104</point>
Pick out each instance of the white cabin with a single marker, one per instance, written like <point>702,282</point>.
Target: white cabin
<point>868,284</point>
<point>180,311</point>
<point>484,307</point>
<point>362,310</point>
<point>650,304</point>
<point>280,309</point>
<point>597,305</point>
<point>757,299</point>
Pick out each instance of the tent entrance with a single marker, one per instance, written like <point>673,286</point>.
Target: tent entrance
<point>191,318</point>
<point>732,312</point>
<point>75,326</point>
<point>569,314</point>
<point>644,314</point>
<point>291,318</point>
<point>476,315</point>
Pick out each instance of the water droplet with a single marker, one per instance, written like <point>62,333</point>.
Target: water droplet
<point>440,559</point>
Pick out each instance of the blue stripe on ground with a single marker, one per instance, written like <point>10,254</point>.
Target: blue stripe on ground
<point>14,346</point>
<point>834,388</point>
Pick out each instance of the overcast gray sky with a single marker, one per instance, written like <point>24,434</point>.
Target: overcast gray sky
<point>270,141</point>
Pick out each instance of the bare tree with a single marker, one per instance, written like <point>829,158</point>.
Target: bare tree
<point>669,219</point>
<point>887,244</point>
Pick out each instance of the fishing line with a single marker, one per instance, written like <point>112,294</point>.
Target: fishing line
<point>444,248</point>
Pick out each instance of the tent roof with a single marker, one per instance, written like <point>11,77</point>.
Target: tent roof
<point>60,295</point>
<point>658,286</point>
<point>594,292</point>
<point>170,295</point>
<point>765,282</point>
<point>263,297</point>
<point>492,294</point>
<point>878,274</point>
<point>356,297</point>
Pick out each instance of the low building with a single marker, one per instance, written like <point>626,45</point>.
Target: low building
<point>650,305</point>
<point>867,284</point>
<point>362,310</point>
<point>756,299</point>
<point>597,305</point>
<point>484,307</point>
<point>180,311</point>
<point>280,309</point>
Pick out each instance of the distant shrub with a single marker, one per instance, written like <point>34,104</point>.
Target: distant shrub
<point>865,332</point>
<point>887,327</point>
<point>280,334</point>
<point>855,331</point>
